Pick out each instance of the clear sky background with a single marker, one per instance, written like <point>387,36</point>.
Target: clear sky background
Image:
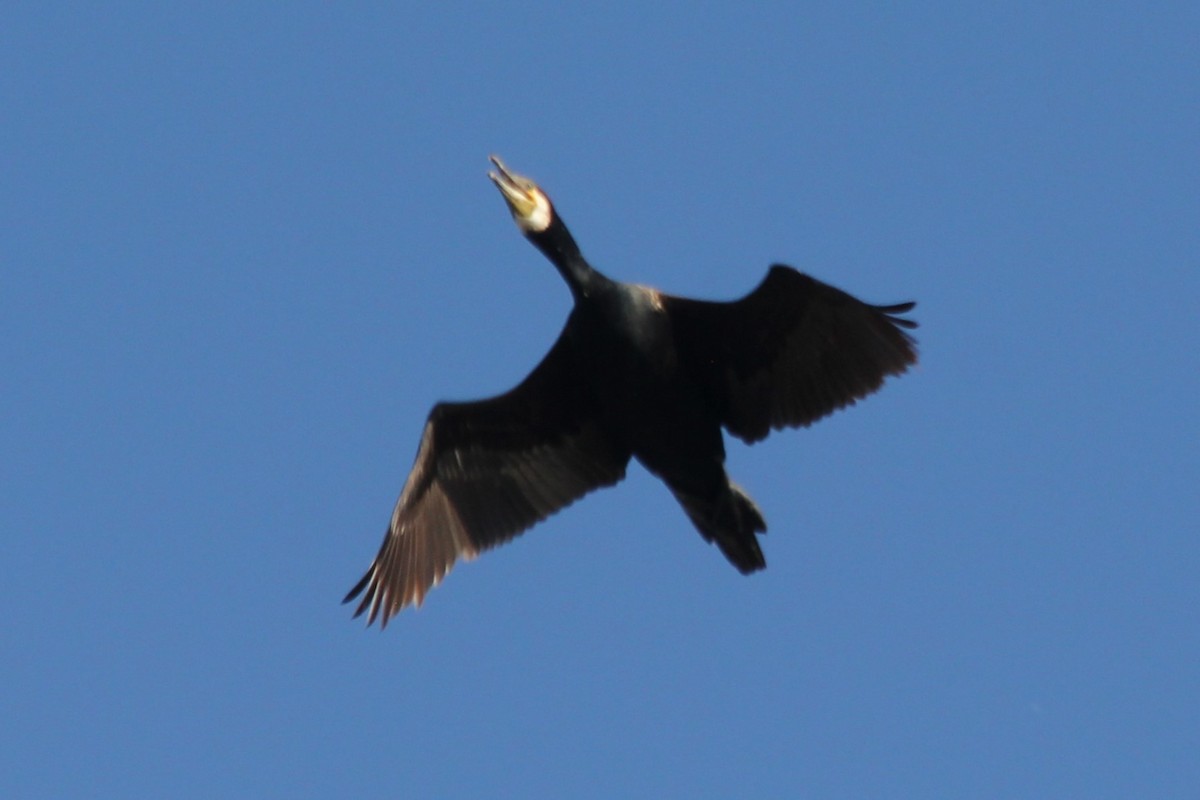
<point>243,250</point>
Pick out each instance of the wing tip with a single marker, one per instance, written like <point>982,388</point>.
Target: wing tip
<point>358,588</point>
<point>382,602</point>
<point>369,601</point>
<point>893,312</point>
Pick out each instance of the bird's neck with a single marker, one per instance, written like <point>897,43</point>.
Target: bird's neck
<point>559,246</point>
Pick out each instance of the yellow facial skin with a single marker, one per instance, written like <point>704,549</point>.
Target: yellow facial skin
<point>529,205</point>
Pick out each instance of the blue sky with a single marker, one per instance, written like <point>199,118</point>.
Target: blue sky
<point>243,250</point>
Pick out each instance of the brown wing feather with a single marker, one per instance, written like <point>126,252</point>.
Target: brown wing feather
<point>486,471</point>
<point>790,352</point>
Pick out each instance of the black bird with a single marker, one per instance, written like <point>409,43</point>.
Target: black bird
<point>639,373</point>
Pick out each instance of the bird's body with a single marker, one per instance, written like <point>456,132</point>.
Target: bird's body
<point>651,407</point>
<point>624,334</point>
<point>634,373</point>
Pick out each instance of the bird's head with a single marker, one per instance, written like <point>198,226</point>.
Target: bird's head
<point>530,207</point>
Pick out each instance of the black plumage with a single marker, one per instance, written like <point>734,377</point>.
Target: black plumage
<point>634,373</point>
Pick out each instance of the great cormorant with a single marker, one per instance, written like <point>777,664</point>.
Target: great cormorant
<point>639,373</point>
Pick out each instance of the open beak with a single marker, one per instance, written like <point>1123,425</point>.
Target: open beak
<point>517,190</point>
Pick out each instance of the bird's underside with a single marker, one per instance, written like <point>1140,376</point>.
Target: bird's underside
<point>789,353</point>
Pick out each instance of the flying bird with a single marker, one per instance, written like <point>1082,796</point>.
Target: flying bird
<point>634,373</point>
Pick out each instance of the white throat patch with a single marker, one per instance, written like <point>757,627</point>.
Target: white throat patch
<point>539,217</point>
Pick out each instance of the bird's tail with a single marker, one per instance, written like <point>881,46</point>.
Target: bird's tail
<point>731,520</point>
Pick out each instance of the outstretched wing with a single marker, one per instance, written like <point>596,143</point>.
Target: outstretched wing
<point>485,472</point>
<point>790,352</point>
